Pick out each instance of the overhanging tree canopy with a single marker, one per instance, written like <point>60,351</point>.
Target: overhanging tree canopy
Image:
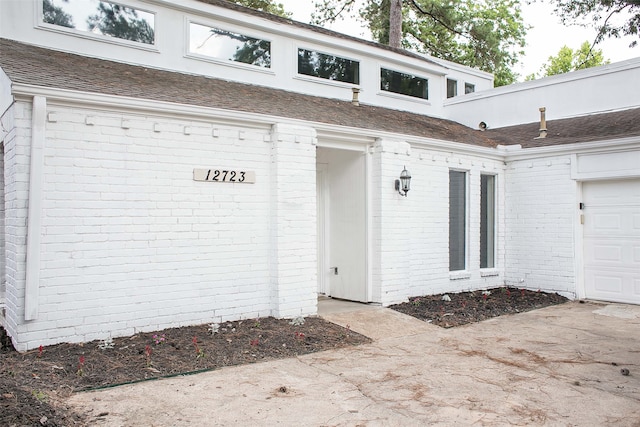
<point>484,34</point>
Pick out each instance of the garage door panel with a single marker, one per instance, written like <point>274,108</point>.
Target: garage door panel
<point>613,287</point>
<point>607,284</point>
<point>611,237</point>
<point>607,193</point>
<point>625,222</point>
<point>607,253</point>
<point>612,254</point>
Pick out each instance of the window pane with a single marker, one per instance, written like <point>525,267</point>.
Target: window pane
<point>469,88</point>
<point>101,17</point>
<point>487,221</point>
<point>329,67</point>
<point>230,46</point>
<point>457,220</point>
<point>452,88</point>
<point>405,84</point>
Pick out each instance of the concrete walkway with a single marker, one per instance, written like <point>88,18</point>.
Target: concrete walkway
<point>559,366</point>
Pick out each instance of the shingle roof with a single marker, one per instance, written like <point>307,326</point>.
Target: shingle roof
<point>595,127</point>
<point>32,65</point>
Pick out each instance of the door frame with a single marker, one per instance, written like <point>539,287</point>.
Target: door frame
<point>322,207</point>
<point>323,243</point>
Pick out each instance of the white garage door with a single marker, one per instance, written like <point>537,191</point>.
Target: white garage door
<point>612,240</point>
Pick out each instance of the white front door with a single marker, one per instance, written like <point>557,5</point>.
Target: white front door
<point>612,240</point>
<point>341,177</point>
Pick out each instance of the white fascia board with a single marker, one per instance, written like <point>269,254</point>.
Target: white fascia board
<point>254,120</point>
<point>548,81</point>
<point>609,146</point>
<point>459,67</point>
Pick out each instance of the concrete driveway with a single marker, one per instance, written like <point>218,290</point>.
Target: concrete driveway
<point>559,366</point>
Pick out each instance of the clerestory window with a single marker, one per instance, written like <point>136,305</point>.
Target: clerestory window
<point>101,18</point>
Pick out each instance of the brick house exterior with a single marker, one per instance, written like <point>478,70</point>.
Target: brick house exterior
<point>109,228</point>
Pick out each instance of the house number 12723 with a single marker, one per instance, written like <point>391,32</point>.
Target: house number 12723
<point>224,175</point>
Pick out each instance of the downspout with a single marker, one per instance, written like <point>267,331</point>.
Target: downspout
<point>34,212</point>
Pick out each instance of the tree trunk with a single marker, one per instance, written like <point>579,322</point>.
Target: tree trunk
<point>395,23</point>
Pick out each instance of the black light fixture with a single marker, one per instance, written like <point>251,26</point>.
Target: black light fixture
<point>403,185</point>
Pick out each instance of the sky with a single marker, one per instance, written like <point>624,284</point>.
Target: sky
<point>545,37</point>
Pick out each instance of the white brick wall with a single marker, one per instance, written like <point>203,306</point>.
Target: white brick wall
<point>294,217</point>
<point>16,179</point>
<point>130,242</point>
<point>391,222</point>
<point>540,213</point>
<point>430,216</point>
<point>7,134</point>
<point>411,235</point>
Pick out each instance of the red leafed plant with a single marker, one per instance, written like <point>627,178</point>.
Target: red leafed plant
<point>199,351</point>
<point>255,342</point>
<point>40,350</point>
<point>148,351</point>
<point>80,370</point>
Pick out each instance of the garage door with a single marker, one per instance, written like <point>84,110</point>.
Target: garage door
<point>612,240</point>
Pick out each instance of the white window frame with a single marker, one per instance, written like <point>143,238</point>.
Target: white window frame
<point>221,61</point>
<point>446,88</point>
<point>41,25</point>
<point>314,79</point>
<point>491,222</point>
<point>463,273</point>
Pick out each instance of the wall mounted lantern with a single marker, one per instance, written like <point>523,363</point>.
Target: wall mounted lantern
<point>403,185</point>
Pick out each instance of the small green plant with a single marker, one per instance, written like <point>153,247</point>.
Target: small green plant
<point>40,396</point>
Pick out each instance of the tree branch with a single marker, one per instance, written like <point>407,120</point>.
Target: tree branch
<point>601,32</point>
<point>346,6</point>
<point>438,20</point>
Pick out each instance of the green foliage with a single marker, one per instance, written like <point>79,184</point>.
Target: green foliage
<point>484,34</point>
<point>568,60</point>
<point>40,396</point>
<point>604,16</point>
<point>55,15</point>
<point>121,22</point>
<point>265,6</point>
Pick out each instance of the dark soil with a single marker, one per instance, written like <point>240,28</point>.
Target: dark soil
<point>33,385</point>
<point>470,307</point>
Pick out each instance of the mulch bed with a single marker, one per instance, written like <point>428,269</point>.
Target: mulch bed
<point>33,385</point>
<point>469,307</point>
